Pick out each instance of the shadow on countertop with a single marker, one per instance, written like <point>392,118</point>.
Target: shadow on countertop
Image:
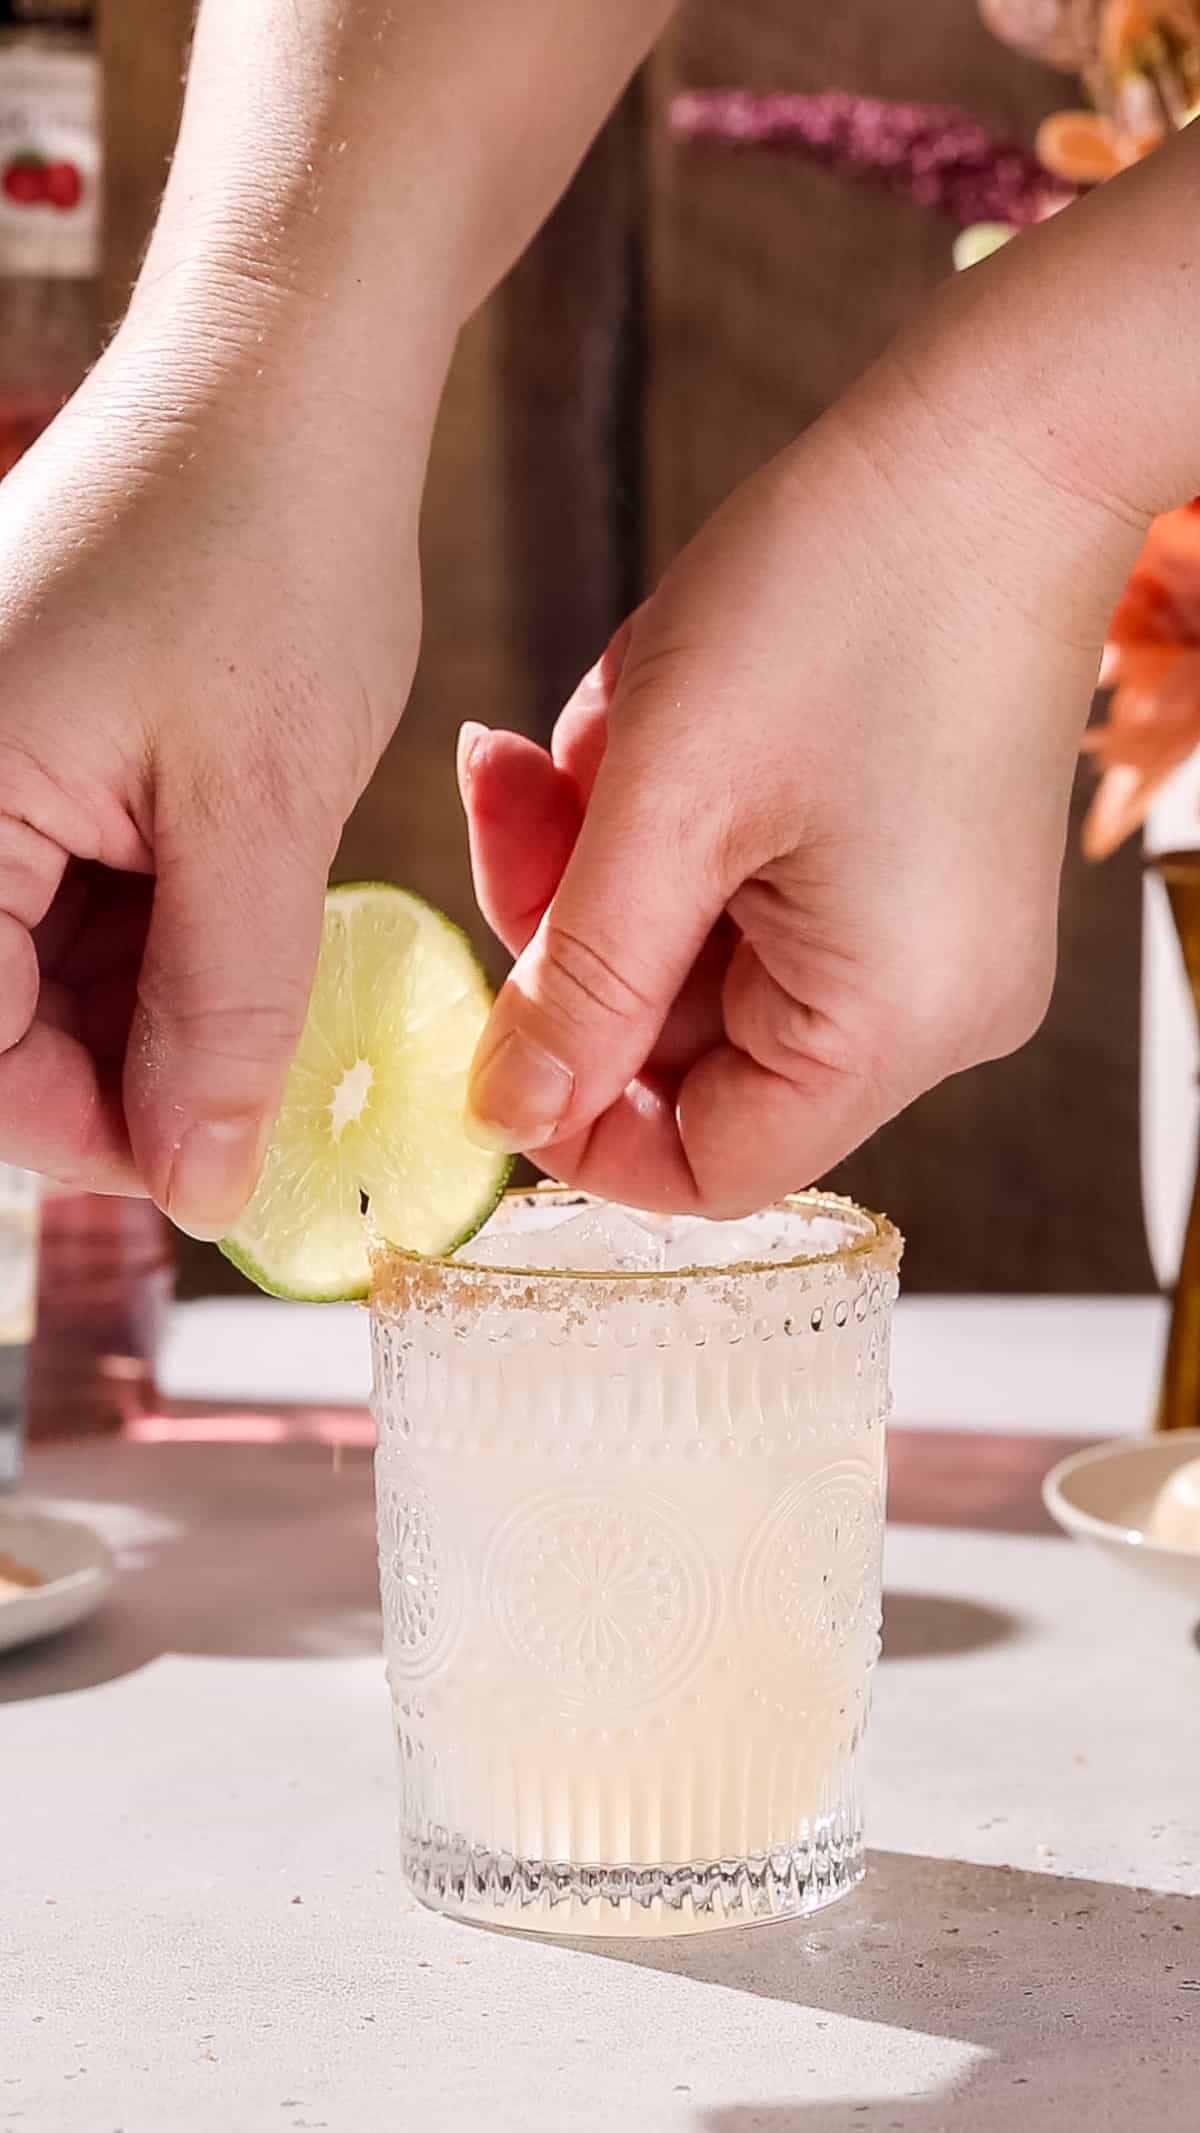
<point>267,1549</point>
<point>1083,1998</point>
<point>246,1550</point>
<point>934,1625</point>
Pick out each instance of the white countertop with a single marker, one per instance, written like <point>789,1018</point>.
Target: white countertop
<point>1079,1366</point>
<point>203,1929</point>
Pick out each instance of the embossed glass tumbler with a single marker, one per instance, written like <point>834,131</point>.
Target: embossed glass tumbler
<point>630,1529</point>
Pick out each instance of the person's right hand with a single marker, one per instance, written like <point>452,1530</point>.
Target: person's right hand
<point>209,599</point>
<point>208,623</point>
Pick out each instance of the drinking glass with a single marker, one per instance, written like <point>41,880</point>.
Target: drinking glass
<point>630,1527</point>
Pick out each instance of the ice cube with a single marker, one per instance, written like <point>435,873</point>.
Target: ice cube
<point>594,1236</point>
<point>507,1246</point>
<point>596,1239</point>
<point>661,1227</point>
<point>713,1244</point>
<point>770,1238</point>
<point>606,1240</point>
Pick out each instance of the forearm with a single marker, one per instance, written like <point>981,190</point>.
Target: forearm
<point>361,173</point>
<point>1077,343</point>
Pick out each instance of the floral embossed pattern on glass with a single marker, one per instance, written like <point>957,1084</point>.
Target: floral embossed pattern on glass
<point>630,1524</point>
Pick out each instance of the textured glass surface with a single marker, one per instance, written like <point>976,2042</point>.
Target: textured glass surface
<point>630,1533</point>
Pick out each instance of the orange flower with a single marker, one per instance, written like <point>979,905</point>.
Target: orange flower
<point>1151,37</point>
<point>1152,663</point>
<point>1084,147</point>
<point>1143,77</point>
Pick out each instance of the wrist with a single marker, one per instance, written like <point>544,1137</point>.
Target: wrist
<point>303,245</point>
<point>387,164</point>
<point>263,448</point>
<point>1043,474</point>
<point>1073,346</point>
<point>228,337</point>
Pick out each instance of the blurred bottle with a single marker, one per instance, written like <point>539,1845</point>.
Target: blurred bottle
<point>18,1290</point>
<point>49,212</point>
<point>106,1276</point>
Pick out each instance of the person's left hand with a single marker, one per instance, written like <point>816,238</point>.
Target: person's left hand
<point>795,854</point>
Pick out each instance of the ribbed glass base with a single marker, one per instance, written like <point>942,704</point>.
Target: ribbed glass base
<point>699,1896</point>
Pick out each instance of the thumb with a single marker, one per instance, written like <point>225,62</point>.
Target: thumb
<point>228,968</point>
<point>584,1004</point>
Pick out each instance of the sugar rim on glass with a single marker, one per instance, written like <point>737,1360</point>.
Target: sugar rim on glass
<point>879,1243</point>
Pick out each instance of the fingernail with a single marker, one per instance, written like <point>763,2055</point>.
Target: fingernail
<point>470,733</point>
<point>518,1095</point>
<point>213,1174</point>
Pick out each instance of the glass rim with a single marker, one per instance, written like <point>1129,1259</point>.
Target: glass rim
<point>878,1243</point>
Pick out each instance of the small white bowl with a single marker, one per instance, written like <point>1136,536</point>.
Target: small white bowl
<point>75,1564</point>
<point>1106,1495</point>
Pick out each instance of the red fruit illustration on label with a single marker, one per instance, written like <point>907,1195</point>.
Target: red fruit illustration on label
<point>24,180</point>
<point>62,185</point>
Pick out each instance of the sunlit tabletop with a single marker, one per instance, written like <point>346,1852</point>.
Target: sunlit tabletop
<point>202,1926</point>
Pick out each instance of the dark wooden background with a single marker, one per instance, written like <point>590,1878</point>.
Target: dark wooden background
<point>683,313</point>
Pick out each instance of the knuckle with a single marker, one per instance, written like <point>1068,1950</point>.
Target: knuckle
<point>1019,1011</point>
<point>286,775</point>
<point>729,825</point>
<point>244,1033</point>
<point>18,981</point>
<point>1011,991</point>
<point>42,799</point>
<point>792,1029</point>
<point>985,1007</point>
<point>587,981</point>
<point>776,1031</point>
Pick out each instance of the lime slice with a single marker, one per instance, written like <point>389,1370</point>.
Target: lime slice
<point>373,1104</point>
<point>978,241</point>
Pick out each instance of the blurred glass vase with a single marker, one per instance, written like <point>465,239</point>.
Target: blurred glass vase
<point>18,1295</point>
<point>1179,1400</point>
<point>105,1281</point>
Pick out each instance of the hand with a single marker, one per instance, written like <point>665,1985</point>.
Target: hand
<point>208,625</point>
<point>794,855</point>
<point>210,602</point>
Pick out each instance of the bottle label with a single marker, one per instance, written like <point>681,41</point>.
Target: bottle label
<point>49,162</point>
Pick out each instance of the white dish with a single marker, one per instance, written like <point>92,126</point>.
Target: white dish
<point>74,1562</point>
<point>1106,1496</point>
